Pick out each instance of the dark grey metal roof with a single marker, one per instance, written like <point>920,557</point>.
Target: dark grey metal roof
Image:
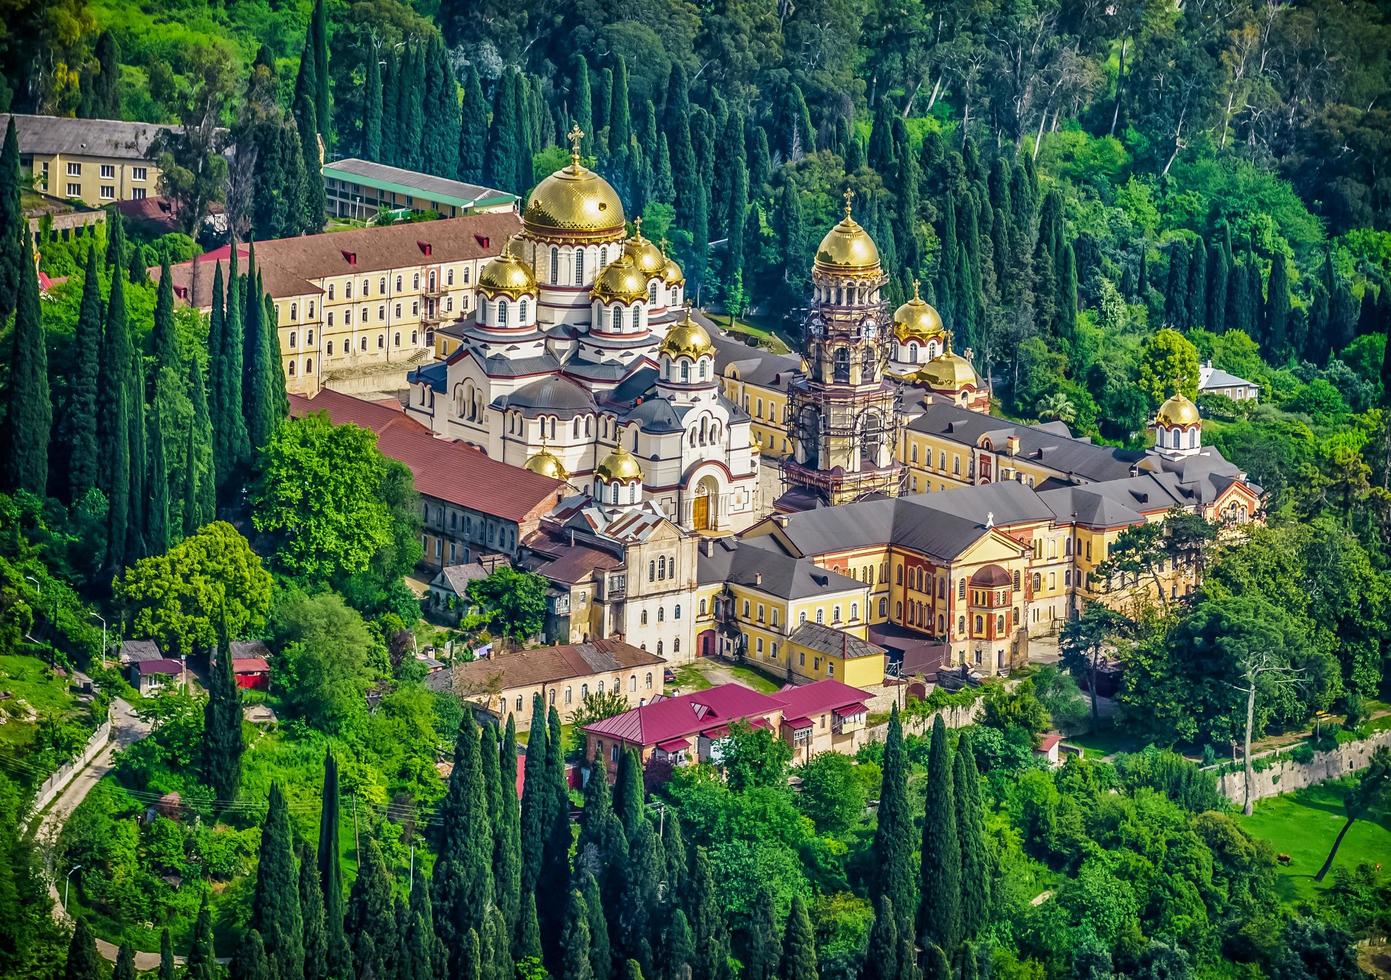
<point>549,396</point>
<point>83,137</point>
<point>439,189</point>
<point>756,365</point>
<point>828,639</point>
<point>760,564</point>
<point>498,366</point>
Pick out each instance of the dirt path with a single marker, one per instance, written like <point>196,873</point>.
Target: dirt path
<point>127,728</point>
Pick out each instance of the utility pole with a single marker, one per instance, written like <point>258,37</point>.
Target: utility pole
<point>103,639</point>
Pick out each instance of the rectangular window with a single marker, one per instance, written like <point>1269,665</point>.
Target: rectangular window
<point>108,192</point>
<point>138,173</point>
<point>74,190</point>
<point>74,170</point>
<point>108,172</point>
<point>137,193</point>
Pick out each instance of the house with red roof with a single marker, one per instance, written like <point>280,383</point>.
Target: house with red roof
<point>825,716</point>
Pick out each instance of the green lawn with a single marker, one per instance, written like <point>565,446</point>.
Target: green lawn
<point>755,679</point>
<point>689,678</point>
<point>1303,825</point>
<point>1105,741</point>
<point>29,681</point>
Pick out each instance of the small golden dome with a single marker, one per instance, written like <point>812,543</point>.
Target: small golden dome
<point>1178,410</point>
<point>621,281</point>
<point>574,204</point>
<point>506,275</point>
<point>847,248</point>
<point>671,273</point>
<point>948,371</point>
<point>917,319</point>
<point>645,255</point>
<point>687,339</point>
<point>545,463</point>
<point>619,466</point>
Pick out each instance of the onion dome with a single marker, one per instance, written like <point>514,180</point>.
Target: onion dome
<point>645,255</point>
<point>847,248</point>
<point>506,275</point>
<point>917,319</point>
<point>621,281</point>
<point>687,339</point>
<point>574,204</point>
<point>672,274</point>
<point>1179,411</point>
<point>948,371</point>
<point>546,463</point>
<point>619,466</point>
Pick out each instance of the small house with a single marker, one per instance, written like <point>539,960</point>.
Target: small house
<point>147,675</point>
<point>1046,748</point>
<point>134,651</point>
<point>251,672</point>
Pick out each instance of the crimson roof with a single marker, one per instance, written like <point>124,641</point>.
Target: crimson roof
<point>249,665</point>
<point>448,471</point>
<point>818,696</point>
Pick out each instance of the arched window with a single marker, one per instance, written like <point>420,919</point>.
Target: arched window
<point>616,319</point>
<point>330,348</point>
<point>854,611</point>
<point>579,267</point>
<point>398,283</point>
<point>584,691</point>
<point>676,614</point>
<point>659,648</point>
<point>552,428</point>
<point>898,611</point>
<point>651,573</point>
<point>685,370</point>
<point>961,624</point>
<point>648,680</point>
<point>661,615</point>
<point>633,682</point>
<point>502,313</point>
<point>555,264</point>
<point>309,365</point>
<point>1016,578</point>
<point>841,373</point>
<point>600,687</point>
<point>898,574</point>
<point>980,624</point>
<point>603,256</point>
<point>292,338</point>
<point>292,369</point>
<point>662,567</point>
<point>330,319</point>
<point>652,292</point>
<point>1000,624</point>
<point>294,311</point>
<point>521,312</point>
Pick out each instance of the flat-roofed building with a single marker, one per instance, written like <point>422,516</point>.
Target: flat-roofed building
<point>95,161</point>
<point>357,310</point>
<point>361,189</point>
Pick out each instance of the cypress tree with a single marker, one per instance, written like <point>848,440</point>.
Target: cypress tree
<point>583,97</point>
<point>798,945</point>
<point>222,720</point>
<point>112,421</point>
<point>233,442</point>
<point>157,530</point>
<point>371,916</point>
<point>676,124</point>
<point>977,871</point>
<point>1277,309</point>
<point>136,541</point>
<point>620,112</point>
<point>473,129</point>
<point>763,945</point>
<point>536,799</point>
<point>939,909</point>
<point>441,150</point>
<point>707,920</point>
<point>679,951</point>
<point>574,940</point>
<point>412,107</point>
<point>201,963</point>
<point>521,164</point>
<point>28,419</point>
<point>372,109</point>
<point>528,931</point>
<point>555,853</point>
<point>884,949</point>
<point>201,475</point>
<point>250,961</point>
<point>892,869</point>
<point>337,955</point>
<point>602,841</point>
<point>391,99</point>
<point>1067,294</point>
<point>937,963</point>
<point>462,882</point>
<point>14,226</point>
<point>83,963</point>
<point>628,802</point>
<point>760,161</point>
<point>311,197</point>
<point>600,950</point>
<point>83,462</point>
<point>1219,271</point>
<point>1176,287</point>
<point>507,843</point>
<point>423,955</point>
<point>505,141</point>
<point>792,238</point>
<point>738,213</point>
<point>603,103</point>
<point>319,33</point>
<point>677,856</point>
<point>496,947</point>
<point>311,907</point>
<point>164,345</point>
<point>1197,284</point>
<point>168,969</point>
<point>262,367</point>
<point>125,963</point>
<point>275,912</point>
<point>634,930</point>
<point>1342,311</point>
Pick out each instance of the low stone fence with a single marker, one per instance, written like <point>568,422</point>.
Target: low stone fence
<point>60,777</point>
<point>1287,774</point>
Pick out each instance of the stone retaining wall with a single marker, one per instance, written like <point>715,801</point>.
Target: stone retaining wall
<point>1287,775</point>
<point>60,777</point>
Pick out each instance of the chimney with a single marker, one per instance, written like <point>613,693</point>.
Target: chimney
<point>757,578</point>
<point>350,257</point>
<point>572,537</point>
<point>483,241</point>
<point>424,247</point>
<point>707,547</point>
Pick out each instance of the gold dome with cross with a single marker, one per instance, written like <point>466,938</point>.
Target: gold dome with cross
<point>574,204</point>
<point>847,249</point>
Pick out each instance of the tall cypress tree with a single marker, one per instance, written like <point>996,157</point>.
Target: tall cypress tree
<point>462,883</point>
<point>507,841</point>
<point>1197,284</point>
<point>14,226</point>
<point>798,945</point>
<point>337,957</point>
<point>312,204</point>
<point>528,931</point>
<point>555,852</point>
<point>707,920</point>
<point>792,238</point>
<point>322,112</point>
<point>1067,294</point>
<point>582,109</point>
<point>1219,271</point>
<point>201,962</point>
<point>602,842</point>
<point>372,109</point>
<point>1176,286</point>
<point>600,950</point>
<point>201,475</point>
<point>505,140</point>
<point>275,911</point>
<point>473,129</point>
<point>136,542</point>
<point>371,916</point>
<point>628,800</point>
<point>311,910</point>
<point>391,99</point>
<point>882,957</point>
<point>83,463</point>
<point>157,525</point>
<point>574,940</point>
<point>892,869</point>
<point>440,151</point>
<point>233,439</point>
<point>250,961</point>
<point>263,371</point>
<point>83,963</point>
<point>676,124</point>
<point>222,719</point>
<point>762,942</point>
<point>168,969</point>
<point>977,871</point>
<point>536,799</point>
<point>113,418</point>
<point>1277,310</point>
<point>636,925</point>
<point>939,909</point>
<point>28,419</point>
<point>125,963</point>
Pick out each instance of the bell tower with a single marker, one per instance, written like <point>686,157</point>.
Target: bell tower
<point>843,416</point>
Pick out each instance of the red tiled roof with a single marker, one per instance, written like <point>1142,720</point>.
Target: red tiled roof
<point>858,708</point>
<point>447,471</point>
<point>818,696</point>
<point>249,665</point>
<point>675,745</point>
<point>1046,742</point>
<point>161,666</point>
<point>797,724</point>
<point>665,719</point>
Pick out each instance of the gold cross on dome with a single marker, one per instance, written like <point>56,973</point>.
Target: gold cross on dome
<point>637,226</point>
<point>574,136</point>
<point>663,244</point>
<point>849,196</point>
<point>916,284</point>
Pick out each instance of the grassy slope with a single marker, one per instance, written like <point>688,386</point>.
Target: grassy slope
<point>28,679</point>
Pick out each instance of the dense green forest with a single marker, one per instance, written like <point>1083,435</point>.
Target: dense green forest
<point>1097,196</point>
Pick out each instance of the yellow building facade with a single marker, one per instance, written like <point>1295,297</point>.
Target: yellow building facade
<point>95,161</point>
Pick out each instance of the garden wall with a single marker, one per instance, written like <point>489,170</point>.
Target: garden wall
<point>61,776</point>
<point>1286,774</point>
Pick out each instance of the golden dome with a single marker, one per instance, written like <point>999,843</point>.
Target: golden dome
<point>948,371</point>
<point>645,255</point>
<point>545,463</point>
<point>619,465</point>
<point>847,248</point>
<point>506,275</point>
<point>916,319</point>
<point>574,204</point>
<point>1178,410</point>
<point>687,339</point>
<point>671,273</point>
<point>621,281</point>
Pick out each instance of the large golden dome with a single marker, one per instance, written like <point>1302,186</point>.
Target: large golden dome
<point>1178,410</point>
<point>687,339</point>
<point>948,371</point>
<point>621,281</point>
<point>574,204</point>
<point>619,465</point>
<point>645,255</point>
<point>917,319</point>
<point>506,275</point>
<point>671,272</point>
<point>545,463</point>
<point>847,248</point>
